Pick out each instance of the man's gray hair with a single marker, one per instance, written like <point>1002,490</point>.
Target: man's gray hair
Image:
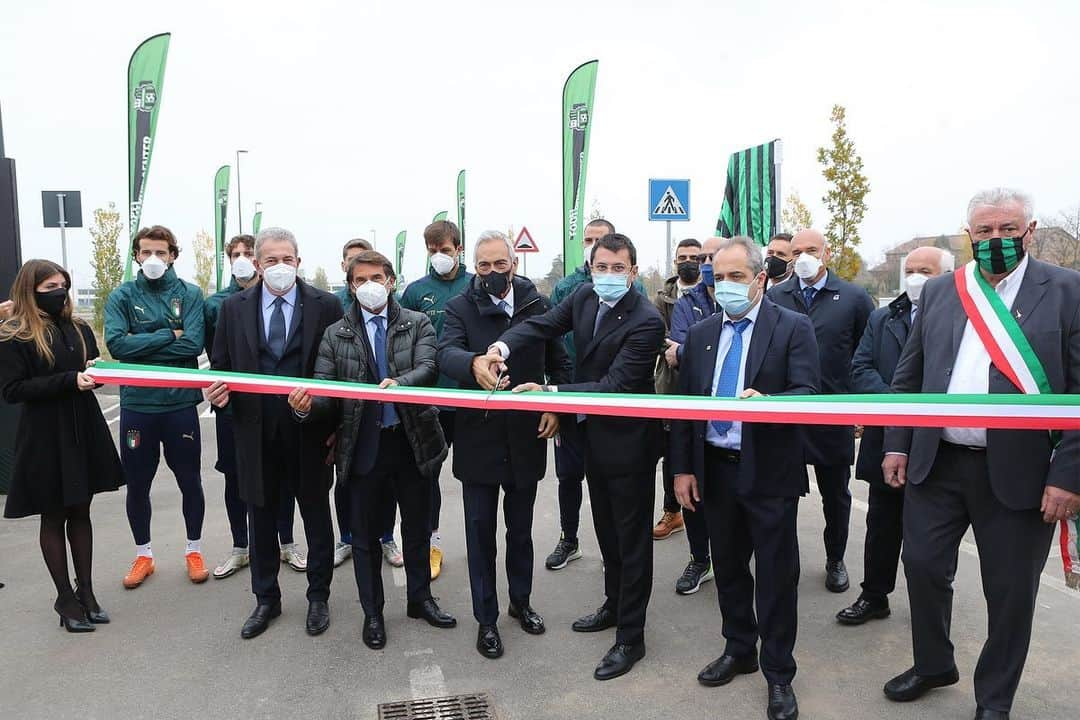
<point>494,236</point>
<point>753,251</point>
<point>996,197</point>
<point>948,260</point>
<point>273,234</point>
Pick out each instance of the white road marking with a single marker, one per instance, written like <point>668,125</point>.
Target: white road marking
<point>110,408</point>
<point>399,576</point>
<point>417,653</point>
<point>427,682</point>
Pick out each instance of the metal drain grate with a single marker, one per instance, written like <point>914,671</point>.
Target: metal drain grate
<point>475,706</point>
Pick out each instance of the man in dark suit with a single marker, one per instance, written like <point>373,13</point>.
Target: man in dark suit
<point>500,449</point>
<point>871,372</point>
<point>1010,486</point>
<point>838,310</point>
<point>746,473</point>
<point>274,328</point>
<point>618,334</point>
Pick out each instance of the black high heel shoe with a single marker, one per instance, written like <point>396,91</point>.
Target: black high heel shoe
<point>90,605</point>
<point>72,616</point>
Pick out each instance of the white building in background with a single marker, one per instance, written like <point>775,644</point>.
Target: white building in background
<point>84,297</point>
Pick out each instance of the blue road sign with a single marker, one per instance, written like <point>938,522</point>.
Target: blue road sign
<point>669,200</point>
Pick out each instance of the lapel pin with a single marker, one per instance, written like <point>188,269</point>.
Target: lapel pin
<point>836,297</point>
<point>708,347</point>
<point>1018,315</point>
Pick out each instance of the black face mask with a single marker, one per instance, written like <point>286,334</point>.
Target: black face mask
<point>775,267</point>
<point>494,283</point>
<point>52,302</point>
<point>689,271</point>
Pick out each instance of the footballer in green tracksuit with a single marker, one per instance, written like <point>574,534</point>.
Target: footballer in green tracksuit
<point>157,319</point>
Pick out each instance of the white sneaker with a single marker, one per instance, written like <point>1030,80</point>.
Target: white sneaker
<point>293,557</point>
<point>342,552</point>
<point>237,559</point>
<point>392,554</point>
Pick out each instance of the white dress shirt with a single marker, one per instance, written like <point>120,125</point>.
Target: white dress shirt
<point>369,327</point>
<point>287,308</point>
<point>971,369</point>
<point>509,300</point>
<point>732,440</point>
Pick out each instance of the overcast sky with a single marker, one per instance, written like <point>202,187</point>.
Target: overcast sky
<point>357,116</point>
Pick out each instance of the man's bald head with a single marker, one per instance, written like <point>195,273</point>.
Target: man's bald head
<point>809,240</point>
<point>929,260</point>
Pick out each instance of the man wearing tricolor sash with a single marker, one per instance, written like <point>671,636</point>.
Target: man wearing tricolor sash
<point>1004,324</point>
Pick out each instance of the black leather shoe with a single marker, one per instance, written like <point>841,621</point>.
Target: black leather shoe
<point>782,703</point>
<point>488,642</point>
<point>908,686</point>
<point>94,613</point>
<point>530,620</point>
<point>984,714</point>
<point>72,615</point>
<point>602,619</point>
<point>374,634</point>
<point>620,659</point>
<point>862,611</point>
<point>260,620</point>
<point>836,577</point>
<point>723,670</point>
<point>429,611</point>
<point>318,617</point>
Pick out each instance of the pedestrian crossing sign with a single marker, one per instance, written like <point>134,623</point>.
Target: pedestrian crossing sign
<point>669,199</point>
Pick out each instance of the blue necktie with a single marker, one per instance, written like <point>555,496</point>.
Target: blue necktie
<point>914,312</point>
<point>729,371</point>
<point>505,307</point>
<point>389,414</point>
<point>600,313</point>
<point>276,340</point>
<point>808,294</point>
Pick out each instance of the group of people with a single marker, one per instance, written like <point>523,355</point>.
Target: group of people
<point>733,322</point>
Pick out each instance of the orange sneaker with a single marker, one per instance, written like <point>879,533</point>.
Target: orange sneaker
<point>142,568</point>
<point>196,569</point>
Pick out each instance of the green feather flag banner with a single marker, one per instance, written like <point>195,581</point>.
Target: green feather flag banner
<point>146,73</point>
<point>221,214</point>
<point>577,110</point>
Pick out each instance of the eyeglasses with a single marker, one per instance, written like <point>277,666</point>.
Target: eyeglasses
<point>704,257</point>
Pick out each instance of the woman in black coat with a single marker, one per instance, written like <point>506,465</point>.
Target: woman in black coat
<point>64,453</point>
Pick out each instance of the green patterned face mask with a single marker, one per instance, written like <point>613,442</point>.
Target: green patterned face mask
<point>998,255</point>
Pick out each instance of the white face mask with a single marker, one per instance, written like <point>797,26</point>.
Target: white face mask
<point>807,266</point>
<point>442,264</point>
<point>913,285</point>
<point>243,269</point>
<point>154,267</point>
<point>280,278</point>
<point>372,295</point>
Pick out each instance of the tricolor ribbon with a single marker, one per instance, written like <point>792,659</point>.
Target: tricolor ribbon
<point>1026,412</point>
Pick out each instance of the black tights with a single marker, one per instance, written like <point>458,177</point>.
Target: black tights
<point>80,536</point>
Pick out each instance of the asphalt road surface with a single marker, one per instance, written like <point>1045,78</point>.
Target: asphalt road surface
<point>174,650</point>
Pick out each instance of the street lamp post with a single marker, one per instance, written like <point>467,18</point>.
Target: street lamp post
<point>239,202</point>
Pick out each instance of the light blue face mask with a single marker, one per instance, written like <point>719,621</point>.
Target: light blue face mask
<point>610,287</point>
<point>733,297</point>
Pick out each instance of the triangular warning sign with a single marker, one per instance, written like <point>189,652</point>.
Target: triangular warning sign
<point>525,242</point>
<point>669,204</point>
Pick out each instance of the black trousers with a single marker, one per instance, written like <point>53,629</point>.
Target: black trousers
<point>394,474</point>
<point>481,523</point>
<point>1013,547</point>
<point>765,527</point>
<point>446,421</point>
<point>832,482</point>
<point>281,474</point>
<point>884,536</point>
<point>622,507</point>
<point>570,469</point>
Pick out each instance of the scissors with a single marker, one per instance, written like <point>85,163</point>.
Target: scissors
<point>498,382</point>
